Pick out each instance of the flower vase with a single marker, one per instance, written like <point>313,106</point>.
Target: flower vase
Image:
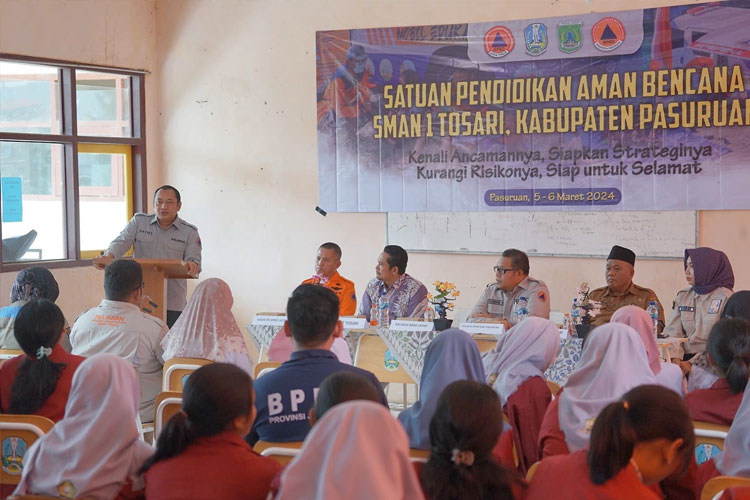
<point>442,324</point>
<point>583,330</point>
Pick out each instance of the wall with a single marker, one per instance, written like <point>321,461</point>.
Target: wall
<point>235,130</point>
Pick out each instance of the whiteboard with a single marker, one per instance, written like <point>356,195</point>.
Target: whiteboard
<point>660,235</point>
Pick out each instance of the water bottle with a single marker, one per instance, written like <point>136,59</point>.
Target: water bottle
<point>575,315</point>
<point>374,315</point>
<point>383,319</point>
<point>568,325</point>
<point>653,311</point>
<point>522,309</point>
<point>514,312</point>
<point>429,315</point>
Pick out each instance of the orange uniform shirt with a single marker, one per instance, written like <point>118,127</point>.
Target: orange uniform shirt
<point>344,290</point>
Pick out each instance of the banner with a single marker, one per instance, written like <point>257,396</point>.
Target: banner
<point>636,110</point>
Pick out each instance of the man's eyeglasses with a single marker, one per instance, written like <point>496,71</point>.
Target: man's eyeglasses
<point>503,270</point>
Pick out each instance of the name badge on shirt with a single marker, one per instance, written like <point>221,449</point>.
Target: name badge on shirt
<point>686,308</point>
<point>715,306</point>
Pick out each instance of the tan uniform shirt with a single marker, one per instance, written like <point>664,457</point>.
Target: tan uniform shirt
<point>633,296</point>
<point>499,304</point>
<point>693,316</point>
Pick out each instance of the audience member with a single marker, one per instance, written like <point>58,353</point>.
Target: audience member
<point>738,306</point>
<point>38,382</point>
<point>357,450</point>
<point>95,451</point>
<point>32,283</point>
<point>326,274</point>
<point>340,388</point>
<point>636,442</point>
<point>620,290</point>
<point>200,453</point>
<point>735,459</point>
<point>697,308</point>
<point>466,424</point>
<point>452,355</point>
<point>207,328</point>
<point>613,361</point>
<point>284,396</point>
<point>406,296</point>
<point>512,281</point>
<point>729,350</point>
<point>668,375</point>
<point>517,365</point>
<point>117,326</point>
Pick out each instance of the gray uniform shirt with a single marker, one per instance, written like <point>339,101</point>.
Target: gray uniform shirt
<point>179,241</point>
<point>693,316</point>
<point>498,303</point>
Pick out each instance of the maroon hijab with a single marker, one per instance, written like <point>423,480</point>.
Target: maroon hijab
<point>711,269</point>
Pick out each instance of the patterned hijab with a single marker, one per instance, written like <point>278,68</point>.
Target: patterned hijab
<point>34,283</point>
<point>711,269</point>
<point>96,447</point>
<point>452,355</point>
<point>613,361</point>
<point>525,351</point>
<point>207,329</point>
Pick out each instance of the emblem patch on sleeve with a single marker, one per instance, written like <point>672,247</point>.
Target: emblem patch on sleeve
<point>715,306</point>
<point>542,296</point>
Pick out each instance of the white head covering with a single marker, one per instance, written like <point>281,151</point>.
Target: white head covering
<point>96,447</point>
<point>357,450</point>
<point>613,361</point>
<point>207,329</point>
<point>525,351</point>
<point>735,459</point>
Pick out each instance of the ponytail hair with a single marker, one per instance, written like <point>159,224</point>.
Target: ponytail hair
<point>729,348</point>
<point>214,395</point>
<point>645,413</point>
<point>463,431</point>
<point>37,328</point>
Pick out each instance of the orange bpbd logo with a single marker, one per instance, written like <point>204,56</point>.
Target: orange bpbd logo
<point>498,41</point>
<point>608,34</point>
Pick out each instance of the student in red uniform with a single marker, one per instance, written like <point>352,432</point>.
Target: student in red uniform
<point>735,459</point>
<point>516,368</point>
<point>466,424</point>
<point>38,382</point>
<point>635,443</point>
<point>729,350</point>
<point>201,453</point>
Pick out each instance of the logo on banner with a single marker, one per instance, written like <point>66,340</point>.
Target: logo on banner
<point>536,38</point>
<point>570,36</point>
<point>498,41</point>
<point>608,34</point>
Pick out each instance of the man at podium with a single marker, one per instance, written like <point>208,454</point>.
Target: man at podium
<point>162,235</point>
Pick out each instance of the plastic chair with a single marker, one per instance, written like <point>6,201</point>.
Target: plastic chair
<point>6,354</point>
<point>707,437</point>
<point>15,247</point>
<point>716,486</point>
<point>281,452</point>
<point>532,470</point>
<point>165,406</point>
<point>265,367</point>
<point>553,388</point>
<point>17,434</point>
<point>417,455</point>
<point>177,369</point>
<point>370,356</point>
<point>485,343</point>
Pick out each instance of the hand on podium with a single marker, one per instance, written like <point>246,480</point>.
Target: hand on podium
<point>102,261</point>
<point>192,268</point>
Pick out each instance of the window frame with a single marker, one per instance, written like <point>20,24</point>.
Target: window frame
<point>73,143</point>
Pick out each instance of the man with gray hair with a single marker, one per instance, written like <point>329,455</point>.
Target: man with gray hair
<point>512,281</point>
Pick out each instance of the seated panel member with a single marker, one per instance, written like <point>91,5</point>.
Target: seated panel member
<point>512,281</point>
<point>326,274</point>
<point>406,296</point>
<point>285,396</point>
<point>118,326</point>
<point>620,290</point>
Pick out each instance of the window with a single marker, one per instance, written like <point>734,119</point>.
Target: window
<point>72,159</point>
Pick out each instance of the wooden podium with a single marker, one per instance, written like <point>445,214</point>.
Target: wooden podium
<point>156,272</point>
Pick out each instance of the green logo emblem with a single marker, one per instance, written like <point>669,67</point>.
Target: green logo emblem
<point>570,36</point>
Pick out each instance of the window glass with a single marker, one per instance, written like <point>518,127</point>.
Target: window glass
<point>33,225</point>
<point>29,98</point>
<point>103,104</point>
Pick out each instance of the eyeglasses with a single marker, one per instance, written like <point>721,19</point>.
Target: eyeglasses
<point>503,270</point>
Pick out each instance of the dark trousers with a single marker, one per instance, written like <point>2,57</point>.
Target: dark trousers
<point>172,317</point>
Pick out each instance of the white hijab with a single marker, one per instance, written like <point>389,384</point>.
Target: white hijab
<point>96,447</point>
<point>613,361</point>
<point>735,459</point>
<point>207,328</point>
<point>357,450</point>
<point>525,351</point>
